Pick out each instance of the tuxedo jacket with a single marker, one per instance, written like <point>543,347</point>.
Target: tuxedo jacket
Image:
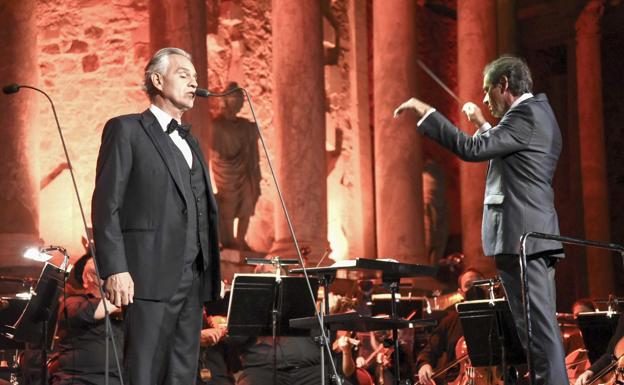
<point>139,210</point>
<point>522,151</point>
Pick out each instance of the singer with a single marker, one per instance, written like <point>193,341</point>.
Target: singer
<point>522,151</point>
<point>155,226</point>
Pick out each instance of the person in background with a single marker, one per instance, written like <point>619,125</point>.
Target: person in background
<point>81,355</point>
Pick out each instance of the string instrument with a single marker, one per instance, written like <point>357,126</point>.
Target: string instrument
<point>448,367</point>
<point>468,374</point>
<point>383,355</point>
<point>615,368</point>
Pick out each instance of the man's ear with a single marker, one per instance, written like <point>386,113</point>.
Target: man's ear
<point>156,79</point>
<point>504,82</point>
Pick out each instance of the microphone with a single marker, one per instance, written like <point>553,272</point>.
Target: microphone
<point>201,92</point>
<point>11,88</point>
<point>204,93</point>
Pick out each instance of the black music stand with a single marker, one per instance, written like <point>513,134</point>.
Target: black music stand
<point>37,324</point>
<point>597,329</point>
<point>262,305</point>
<point>491,334</point>
<point>254,297</point>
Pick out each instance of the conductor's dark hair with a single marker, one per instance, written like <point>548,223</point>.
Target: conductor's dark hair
<point>514,69</point>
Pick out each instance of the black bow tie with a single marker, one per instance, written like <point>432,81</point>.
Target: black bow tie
<point>183,129</point>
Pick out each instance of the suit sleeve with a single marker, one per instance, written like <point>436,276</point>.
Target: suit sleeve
<point>512,134</point>
<point>113,170</point>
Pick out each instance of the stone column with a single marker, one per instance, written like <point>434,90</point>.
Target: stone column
<point>182,24</point>
<point>476,46</point>
<point>592,146</point>
<point>398,156</point>
<point>507,26</point>
<point>362,242</point>
<point>19,203</point>
<point>299,119</point>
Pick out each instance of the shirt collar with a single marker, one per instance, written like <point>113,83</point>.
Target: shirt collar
<point>521,99</point>
<point>163,118</point>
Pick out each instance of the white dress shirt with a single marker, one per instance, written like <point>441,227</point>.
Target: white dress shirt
<point>164,119</point>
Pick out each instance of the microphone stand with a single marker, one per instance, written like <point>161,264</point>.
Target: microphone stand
<point>324,336</point>
<point>109,332</point>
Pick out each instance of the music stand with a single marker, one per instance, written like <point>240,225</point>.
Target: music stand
<point>262,305</point>
<point>490,333</point>
<point>253,298</point>
<point>597,329</point>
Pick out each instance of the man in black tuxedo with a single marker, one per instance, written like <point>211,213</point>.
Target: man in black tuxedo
<point>155,226</point>
<point>522,151</point>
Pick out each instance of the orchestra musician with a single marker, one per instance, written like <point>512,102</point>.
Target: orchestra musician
<point>444,338</point>
<point>610,357</point>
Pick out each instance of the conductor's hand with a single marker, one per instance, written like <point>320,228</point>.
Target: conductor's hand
<point>584,377</point>
<point>424,375</point>
<point>119,289</point>
<point>413,104</point>
<point>474,114</point>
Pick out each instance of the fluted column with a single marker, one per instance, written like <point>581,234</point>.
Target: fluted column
<point>398,156</point>
<point>362,240</point>
<point>19,201</point>
<point>182,24</point>
<point>476,46</point>
<point>592,146</point>
<point>299,120</point>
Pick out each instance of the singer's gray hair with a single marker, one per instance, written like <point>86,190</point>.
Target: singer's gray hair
<point>158,64</point>
<point>515,69</point>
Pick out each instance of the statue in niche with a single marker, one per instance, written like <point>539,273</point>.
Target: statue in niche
<point>331,49</point>
<point>436,222</point>
<point>235,165</point>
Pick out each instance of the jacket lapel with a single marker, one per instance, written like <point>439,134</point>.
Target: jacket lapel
<point>160,140</point>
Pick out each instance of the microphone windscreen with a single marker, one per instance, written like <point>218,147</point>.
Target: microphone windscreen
<point>202,92</point>
<point>11,88</point>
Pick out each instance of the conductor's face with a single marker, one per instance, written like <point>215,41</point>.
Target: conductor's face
<point>494,98</point>
<point>178,83</point>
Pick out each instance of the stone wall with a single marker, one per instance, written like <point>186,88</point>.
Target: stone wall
<point>91,56</point>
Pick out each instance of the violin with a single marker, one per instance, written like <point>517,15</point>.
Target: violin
<point>615,370</point>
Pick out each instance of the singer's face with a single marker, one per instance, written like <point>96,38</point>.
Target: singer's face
<point>179,83</point>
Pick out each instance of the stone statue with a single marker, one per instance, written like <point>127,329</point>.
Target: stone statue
<point>235,165</point>
<point>436,222</point>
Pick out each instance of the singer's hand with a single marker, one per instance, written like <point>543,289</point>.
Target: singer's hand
<point>119,289</point>
<point>413,104</point>
<point>474,114</point>
<point>211,336</point>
